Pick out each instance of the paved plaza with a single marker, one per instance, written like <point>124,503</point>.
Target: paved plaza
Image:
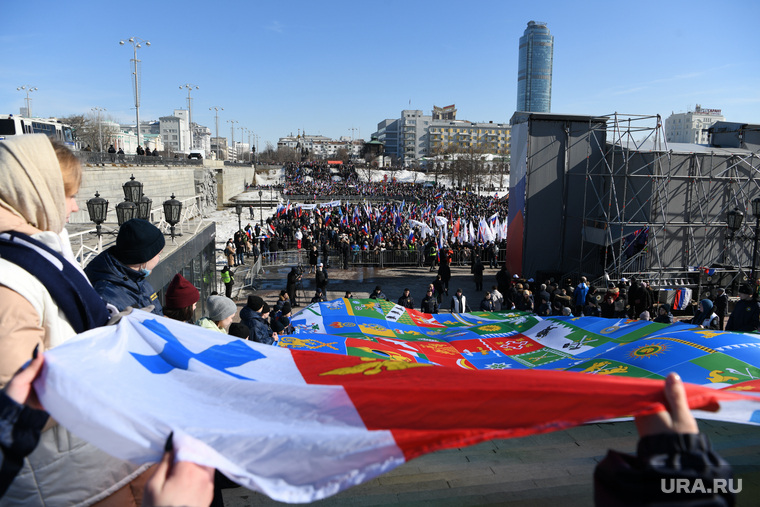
<point>555,469</point>
<point>542,470</point>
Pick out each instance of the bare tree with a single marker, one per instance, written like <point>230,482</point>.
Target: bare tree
<point>342,155</point>
<point>91,132</point>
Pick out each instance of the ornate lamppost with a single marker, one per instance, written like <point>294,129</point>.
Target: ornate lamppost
<point>144,206</point>
<point>239,210</point>
<point>172,212</point>
<point>261,211</point>
<point>133,190</point>
<point>97,208</point>
<point>125,211</point>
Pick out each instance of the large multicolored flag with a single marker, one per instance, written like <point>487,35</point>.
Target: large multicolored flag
<point>520,340</point>
<point>300,425</point>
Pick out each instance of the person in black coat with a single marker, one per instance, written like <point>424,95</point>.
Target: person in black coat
<point>477,270</point>
<point>321,277</point>
<point>721,307</point>
<point>378,294</point>
<point>663,315</point>
<point>746,314</point>
<point>429,303</point>
<point>293,278</point>
<point>502,280</point>
<point>406,300</point>
<point>445,273</point>
<point>313,257</point>
<point>486,305</point>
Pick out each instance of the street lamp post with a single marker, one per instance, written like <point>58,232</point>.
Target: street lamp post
<point>190,88</point>
<point>242,141</point>
<point>136,44</point>
<point>239,210</point>
<point>99,110</point>
<point>232,132</point>
<point>756,214</point>
<point>216,110</point>
<point>261,211</point>
<point>28,89</point>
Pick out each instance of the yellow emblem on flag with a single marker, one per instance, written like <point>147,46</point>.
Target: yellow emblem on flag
<point>304,343</point>
<point>376,330</point>
<point>717,376</point>
<point>649,350</point>
<point>371,366</point>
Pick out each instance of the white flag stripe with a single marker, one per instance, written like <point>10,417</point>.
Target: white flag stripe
<point>276,434</point>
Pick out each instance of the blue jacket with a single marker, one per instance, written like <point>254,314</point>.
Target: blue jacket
<point>580,294</point>
<point>260,330</point>
<point>119,285</point>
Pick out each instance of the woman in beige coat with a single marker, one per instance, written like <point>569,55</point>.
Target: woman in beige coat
<point>38,185</point>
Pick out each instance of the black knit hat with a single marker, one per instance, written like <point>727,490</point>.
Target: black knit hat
<point>255,303</point>
<point>280,323</point>
<point>239,330</point>
<point>138,242</point>
<point>286,308</point>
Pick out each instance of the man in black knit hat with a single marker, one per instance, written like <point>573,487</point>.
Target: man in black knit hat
<point>119,274</point>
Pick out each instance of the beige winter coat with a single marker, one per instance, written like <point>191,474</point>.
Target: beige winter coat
<point>63,469</point>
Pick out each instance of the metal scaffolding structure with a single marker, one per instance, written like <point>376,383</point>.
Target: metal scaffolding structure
<point>658,211</point>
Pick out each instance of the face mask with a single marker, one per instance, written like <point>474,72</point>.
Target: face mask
<point>145,272</point>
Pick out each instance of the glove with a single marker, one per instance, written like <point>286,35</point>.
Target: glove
<point>117,317</point>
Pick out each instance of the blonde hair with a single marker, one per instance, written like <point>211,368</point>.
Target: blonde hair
<point>71,169</point>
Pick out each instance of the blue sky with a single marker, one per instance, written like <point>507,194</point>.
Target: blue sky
<point>328,67</point>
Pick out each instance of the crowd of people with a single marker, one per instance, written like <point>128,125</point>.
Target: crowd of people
<point>47,300</point>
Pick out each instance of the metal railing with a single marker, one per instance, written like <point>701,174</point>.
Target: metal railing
<point>253,274</point>
<point>98,158</point>
<point>191,208</point>
<point>284,258</point>
<point>84,253</point>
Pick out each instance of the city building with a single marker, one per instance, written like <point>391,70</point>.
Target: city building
<point>175,131</point>
<point>445,113</point>
<point>321,147</point>
<point>406,139</point>
<point>125,136</point>
<point>414,136</point>
<point>387,134</point>
<point>692,126</point>
<point>461,136</point>
<point>219,147</point>
<point>534,69</point>
<point>201,138</point>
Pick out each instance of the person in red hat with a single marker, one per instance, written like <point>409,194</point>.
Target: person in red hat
<point>181,299</point>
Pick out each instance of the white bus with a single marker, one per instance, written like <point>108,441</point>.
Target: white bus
<point>12,125</point>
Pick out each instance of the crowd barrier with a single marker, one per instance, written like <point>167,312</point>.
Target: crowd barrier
<point>98,158</point>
